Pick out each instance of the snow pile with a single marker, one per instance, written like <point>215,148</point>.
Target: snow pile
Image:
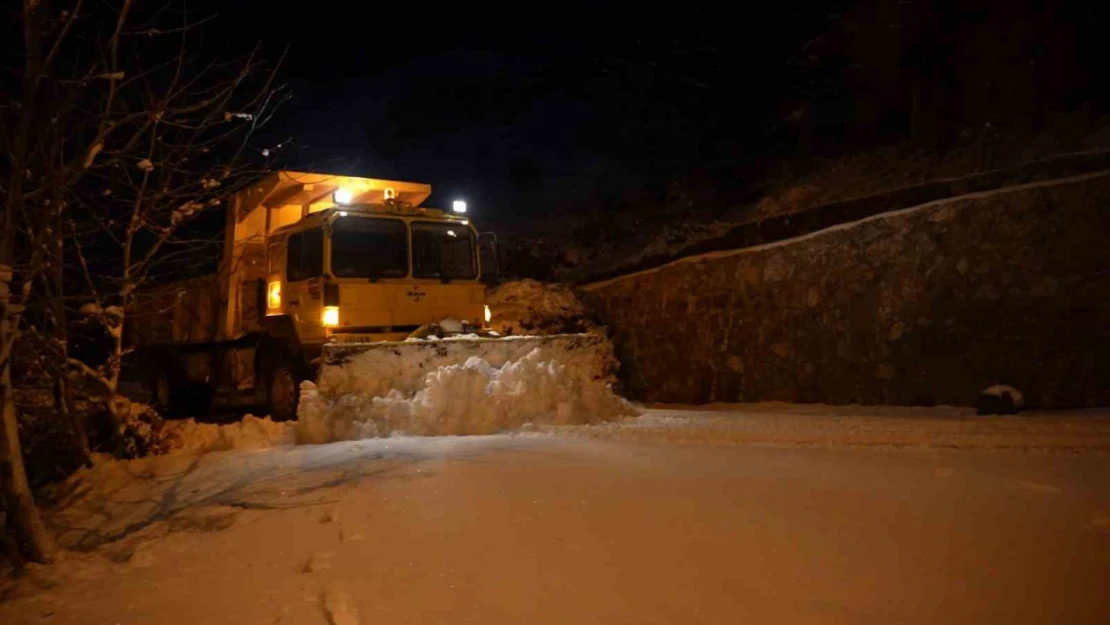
<point>532,307</point>
<point>250,433</point>
<point>422,389</point>
<point>146,433</point>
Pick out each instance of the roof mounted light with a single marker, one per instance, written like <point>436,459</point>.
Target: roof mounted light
<point>458,206</point>
<point>343,195</point>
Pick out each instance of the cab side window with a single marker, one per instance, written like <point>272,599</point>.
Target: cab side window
<point>304,256</point>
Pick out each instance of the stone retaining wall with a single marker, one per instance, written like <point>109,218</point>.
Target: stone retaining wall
<point>925,305</point>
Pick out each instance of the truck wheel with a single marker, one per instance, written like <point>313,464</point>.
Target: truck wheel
<point>283,391</point>
<point>161,390</point>
<point>175,398</point>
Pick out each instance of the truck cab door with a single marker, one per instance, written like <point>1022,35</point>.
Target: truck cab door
<point>304,296</point>
<point>488,257</point>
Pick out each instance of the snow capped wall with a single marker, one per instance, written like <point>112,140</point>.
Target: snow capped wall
<point>923,305</point>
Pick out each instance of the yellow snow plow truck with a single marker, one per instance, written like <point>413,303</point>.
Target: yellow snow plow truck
<point>316,270</point>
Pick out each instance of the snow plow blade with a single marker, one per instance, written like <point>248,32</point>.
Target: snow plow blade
<point>458,386</point>
<point>375,369</point>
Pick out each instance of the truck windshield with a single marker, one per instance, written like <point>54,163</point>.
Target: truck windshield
<point>444,251</point>
<point>364,247</point>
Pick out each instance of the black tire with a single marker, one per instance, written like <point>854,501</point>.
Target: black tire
<point>282,393</point>
<point>161,391</point>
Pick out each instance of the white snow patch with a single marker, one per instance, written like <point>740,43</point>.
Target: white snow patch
<point>188,209</point>
<point>422,389</point>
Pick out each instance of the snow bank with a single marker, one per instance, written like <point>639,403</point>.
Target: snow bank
<point>461,386</point>
<point>250,433</point>
<point>146,433</point>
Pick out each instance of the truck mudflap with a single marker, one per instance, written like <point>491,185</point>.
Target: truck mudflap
<point>375,369</point>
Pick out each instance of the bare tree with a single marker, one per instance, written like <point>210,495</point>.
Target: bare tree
<point>120,135</point>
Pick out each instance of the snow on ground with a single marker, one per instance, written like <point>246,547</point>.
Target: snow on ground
<point>461,386</point>
<point>778,424</point>
<point>549,528</point>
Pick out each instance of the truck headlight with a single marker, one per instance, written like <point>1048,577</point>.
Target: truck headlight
<point>343,196</point>
<point>488,313</point>
<point>330,317</point>
<point>273,295</point>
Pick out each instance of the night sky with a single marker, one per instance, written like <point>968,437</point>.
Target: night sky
<point>523,110</point>
<point>541,109</point>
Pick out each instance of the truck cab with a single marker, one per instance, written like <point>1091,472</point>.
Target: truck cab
<point>373,272</point>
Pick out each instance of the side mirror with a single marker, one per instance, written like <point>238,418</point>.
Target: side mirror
<point>487,255</point>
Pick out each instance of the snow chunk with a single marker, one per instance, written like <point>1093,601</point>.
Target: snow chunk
<point>1000,399</point>
<point>1000,390</point>
<point>145,165</point>
<point>188,209</point>
<point>451,325</point>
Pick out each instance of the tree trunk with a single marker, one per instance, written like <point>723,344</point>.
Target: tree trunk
<point>119,407</point>
<point>64,404</point>
<point>19,503</point>
<point>60,334</point>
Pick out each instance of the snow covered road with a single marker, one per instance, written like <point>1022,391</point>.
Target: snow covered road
<point>766,514</point>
